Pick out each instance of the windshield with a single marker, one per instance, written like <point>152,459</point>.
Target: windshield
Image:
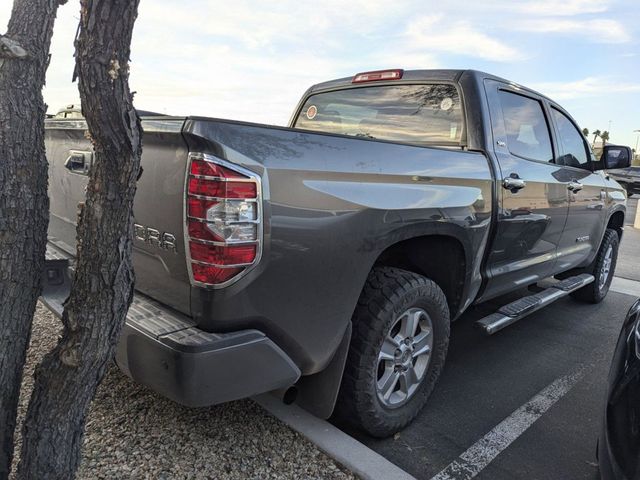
<point>418,114</point>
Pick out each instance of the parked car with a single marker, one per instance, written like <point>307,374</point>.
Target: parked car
<point>628,177</point>
<point>327,259</point>
<point>619,443</point>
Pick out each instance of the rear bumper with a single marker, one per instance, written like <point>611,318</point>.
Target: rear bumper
<point>165,350</point>
<point>197,368</point>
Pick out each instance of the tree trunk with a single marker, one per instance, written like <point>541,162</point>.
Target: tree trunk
<point>102,287</point>
<point>24,204</point>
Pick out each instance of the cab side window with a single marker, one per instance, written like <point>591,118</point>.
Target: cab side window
<point>526,127</point>
<point>574,148</point>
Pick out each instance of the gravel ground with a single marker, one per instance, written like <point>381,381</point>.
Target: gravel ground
<point>134,433</point>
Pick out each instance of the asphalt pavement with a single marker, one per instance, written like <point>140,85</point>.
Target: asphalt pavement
<point>629,267</point>
<point>525,403</point>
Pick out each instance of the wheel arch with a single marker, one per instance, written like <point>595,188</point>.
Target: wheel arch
<point>616,222</point>
<point>441,257</point>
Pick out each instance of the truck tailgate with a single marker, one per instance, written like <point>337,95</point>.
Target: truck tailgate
<point>161,270</point>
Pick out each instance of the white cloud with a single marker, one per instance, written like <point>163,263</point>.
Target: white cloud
<point>597,30</point>
<point>232,85</point>
<point>248,66</point>
<point>407,60</point>
<point>564,8</point>
<point>231,60</point>
<point>586,87</point>
<point>436,33</point>
<point>257,27</point>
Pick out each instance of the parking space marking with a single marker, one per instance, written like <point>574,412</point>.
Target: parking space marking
<point>480,454</point>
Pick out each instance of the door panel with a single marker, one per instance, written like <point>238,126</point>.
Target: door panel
<point>585,223</point>
<point>587,194</point>
<point>530,220</point>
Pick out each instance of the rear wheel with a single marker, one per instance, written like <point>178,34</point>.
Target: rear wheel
<point>398,348</point>
<point>602,269</point>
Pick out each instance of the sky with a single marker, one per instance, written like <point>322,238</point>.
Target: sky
<point>252,61</point>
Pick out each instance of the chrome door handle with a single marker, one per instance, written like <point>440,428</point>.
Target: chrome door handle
<point>513,183</point>
<point>574,186</point>
<point>79,162</point>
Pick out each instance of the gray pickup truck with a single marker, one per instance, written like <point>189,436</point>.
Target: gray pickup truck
<point>326,260</point>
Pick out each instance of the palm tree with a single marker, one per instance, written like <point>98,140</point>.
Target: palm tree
<point>596,134</point>
<point>585,132</point>
<point>604,136</point>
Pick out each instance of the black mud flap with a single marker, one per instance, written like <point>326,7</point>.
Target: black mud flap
<point>318,393</point>
<point>56,285</point>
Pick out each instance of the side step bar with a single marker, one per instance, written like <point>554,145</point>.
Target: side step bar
<point>514,311</point>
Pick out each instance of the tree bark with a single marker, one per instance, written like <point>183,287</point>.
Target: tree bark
<point>24,204</point>
<point>102,287</point>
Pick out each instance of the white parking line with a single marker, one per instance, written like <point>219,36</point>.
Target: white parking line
<point>480,454</point>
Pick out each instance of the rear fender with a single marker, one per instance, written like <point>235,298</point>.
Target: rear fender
<point>445,232</point>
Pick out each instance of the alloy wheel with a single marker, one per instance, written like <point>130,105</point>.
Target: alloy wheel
<point>404,357</point>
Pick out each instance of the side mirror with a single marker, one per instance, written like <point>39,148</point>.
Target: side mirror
<point>615,156</point>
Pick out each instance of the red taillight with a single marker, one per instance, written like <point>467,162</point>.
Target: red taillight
<point>378,75</point>
<point>210,169</point>
<point>223,230</point>
<point>221,189</point>
<point>199,231</point>
<point>211,275</point>
<point>198,207</point>
<point>218,255</point>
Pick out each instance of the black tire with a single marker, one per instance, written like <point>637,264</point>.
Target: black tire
<point>596,291</point>
<point>388,293</point>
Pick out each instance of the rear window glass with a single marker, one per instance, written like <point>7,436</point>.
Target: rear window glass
<point>418,114</point>
<point>526,127</point>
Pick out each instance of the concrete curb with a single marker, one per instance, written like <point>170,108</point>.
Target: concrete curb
<point>626,286</point>
<point>347,451</point>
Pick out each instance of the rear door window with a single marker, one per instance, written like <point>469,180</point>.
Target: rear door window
<point>417,114</point>
<point>526,127</point>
